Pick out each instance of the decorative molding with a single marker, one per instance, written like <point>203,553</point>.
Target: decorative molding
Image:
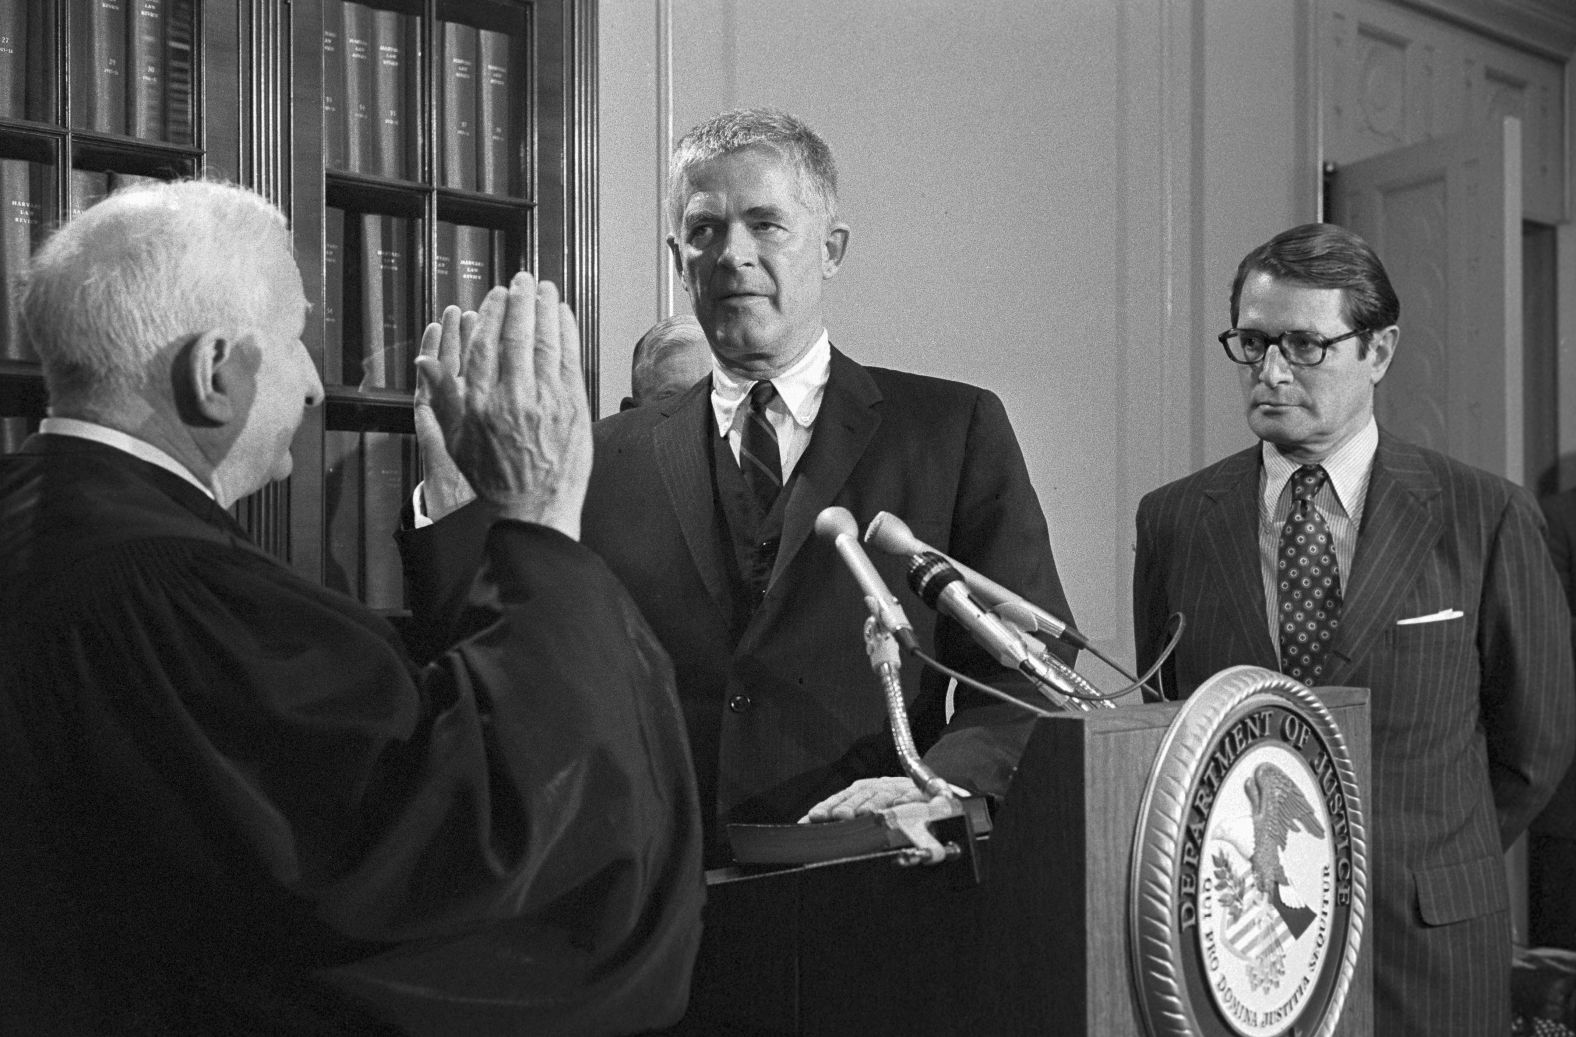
<point>581,190</point>
<point>1543,27</point>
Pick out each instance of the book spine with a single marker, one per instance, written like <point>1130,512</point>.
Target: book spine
<point>21,202</point>
<point>473,264</point>
<point>444,285</point>
<point>494,134</point>
<point>342,511</point>
<point>145,63</point>
<point>399,323</point>
<point>333,296</point>
<point>13,433</point>
<point>359,76</point>
<point>391,91</point>
<point>383,493</point>
<point>458,110</point>
<point>373,368</point>
<point>99,65</point>
<point>180,112</point>
<point>88,188</point>
<point>13,59</point>
<point>336,127</point>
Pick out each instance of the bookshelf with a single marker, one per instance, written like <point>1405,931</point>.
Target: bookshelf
<point>423,149</point>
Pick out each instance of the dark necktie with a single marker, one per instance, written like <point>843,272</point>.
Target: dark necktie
<point>1309,580</point>
<point>758,457</point>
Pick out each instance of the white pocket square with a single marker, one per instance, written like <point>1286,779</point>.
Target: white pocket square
<point>1432,617</point>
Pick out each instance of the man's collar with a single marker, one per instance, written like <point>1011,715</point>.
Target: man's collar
<point>138,448</point>
<point>801,387</point>
<point>1347,465</point>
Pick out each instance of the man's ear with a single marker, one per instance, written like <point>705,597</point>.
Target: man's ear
<point>834,248</point>
<point>678,259</point>
<point>213,378</point>
<point>1382,345</point>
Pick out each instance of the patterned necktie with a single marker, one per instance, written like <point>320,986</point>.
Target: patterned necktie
<point>1310,581</point>
<point>758,457</point>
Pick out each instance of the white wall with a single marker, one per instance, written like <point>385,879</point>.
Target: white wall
<point>1047,199</point>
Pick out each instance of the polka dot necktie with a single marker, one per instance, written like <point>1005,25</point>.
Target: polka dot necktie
<point>758,456</point>
<point>1310,581</point>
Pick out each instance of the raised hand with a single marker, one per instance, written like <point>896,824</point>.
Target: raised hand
<point>443,488</point>
<point>511,406</point>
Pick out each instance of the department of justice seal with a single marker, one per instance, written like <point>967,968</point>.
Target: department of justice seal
<point>1249,878</point>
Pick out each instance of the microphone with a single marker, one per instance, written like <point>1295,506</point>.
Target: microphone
<point>941,586</point>
<point>892,535</point>
<point>837,524</point>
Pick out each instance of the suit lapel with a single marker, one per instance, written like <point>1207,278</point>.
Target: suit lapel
<point>681,447</point>
<point>847,420</point>
<point>1233,542</point>
<point>1400,528</point>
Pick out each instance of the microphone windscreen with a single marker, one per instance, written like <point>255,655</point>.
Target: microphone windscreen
<point>892,535</point>
<point>836,521</point>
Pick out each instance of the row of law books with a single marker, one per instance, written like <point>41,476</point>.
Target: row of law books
<point>474,87</point>
<point>370,83</point>
<point>370,329</point>
<point>367,477</point>
<point>26,198</point>
<point>370,90</point>
<point>132,71</point>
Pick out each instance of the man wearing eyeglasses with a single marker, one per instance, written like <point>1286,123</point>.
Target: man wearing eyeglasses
<point>1340,555</point>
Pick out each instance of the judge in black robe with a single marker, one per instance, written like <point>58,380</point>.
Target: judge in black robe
<point>231,803</point>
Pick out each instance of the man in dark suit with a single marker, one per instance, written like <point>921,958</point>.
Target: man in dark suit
<point>1551,843</point>
<point>704,506</point>
<point>1434,591</point>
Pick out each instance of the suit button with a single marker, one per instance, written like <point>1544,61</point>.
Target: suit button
<point>740,703</point>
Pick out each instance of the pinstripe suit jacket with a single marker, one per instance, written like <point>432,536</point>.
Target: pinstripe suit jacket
<point>1472,721</point>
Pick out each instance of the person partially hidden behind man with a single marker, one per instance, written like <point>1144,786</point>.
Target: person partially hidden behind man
<point>670,357</point>
<point>1341,555</point>
<point>231,803</point>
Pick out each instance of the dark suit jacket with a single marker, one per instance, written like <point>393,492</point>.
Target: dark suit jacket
<point>786,711</point>
<point>1559,817</point>
<point>1471,718</point>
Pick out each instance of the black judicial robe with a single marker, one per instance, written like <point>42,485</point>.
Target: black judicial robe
<point>230,803</point>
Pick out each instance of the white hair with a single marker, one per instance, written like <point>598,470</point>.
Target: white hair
<point>151,265</point>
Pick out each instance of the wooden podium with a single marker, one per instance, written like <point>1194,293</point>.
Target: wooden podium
<point>1040,945</point>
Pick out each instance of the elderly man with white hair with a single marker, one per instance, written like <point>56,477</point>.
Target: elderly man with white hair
<point>231,801</point>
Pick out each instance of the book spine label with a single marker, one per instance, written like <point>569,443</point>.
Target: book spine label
<point>21,207</point>
<point>473,264</point>
<point>336,126</point>
<point>359,77</point>
<point>457,113</point>
<point>333,296</point>
<point>443,270</point>
<point>495,135</point>
<point>146,64</point>
<point>13,59</point>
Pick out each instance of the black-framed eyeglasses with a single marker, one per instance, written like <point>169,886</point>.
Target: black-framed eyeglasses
<point>1300,348</point>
